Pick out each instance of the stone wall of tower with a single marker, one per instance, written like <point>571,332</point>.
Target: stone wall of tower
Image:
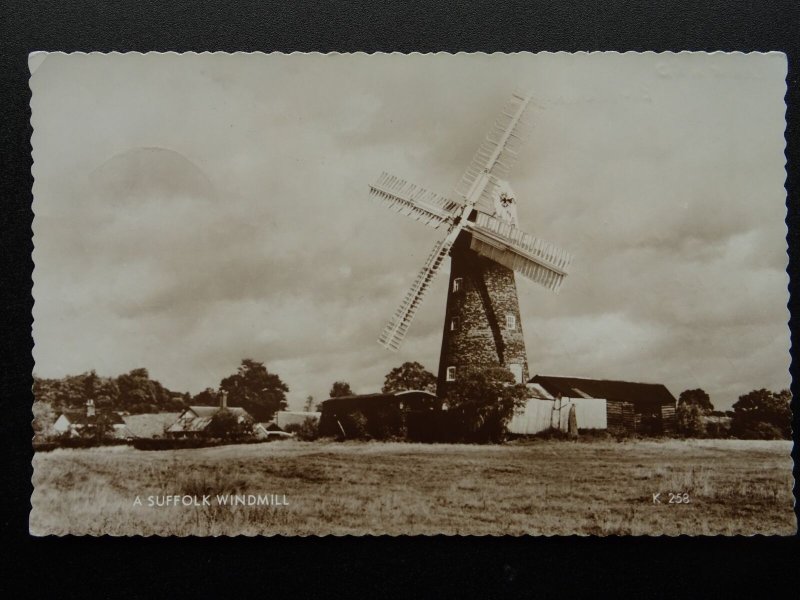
<point>481,337</point>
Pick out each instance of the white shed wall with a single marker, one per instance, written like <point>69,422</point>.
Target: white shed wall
<point>540,415</point>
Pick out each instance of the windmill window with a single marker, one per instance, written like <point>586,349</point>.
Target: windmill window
<point>511,321</point>
<point>451,374</point>
<point>454,323</point>
<point>457,284</point>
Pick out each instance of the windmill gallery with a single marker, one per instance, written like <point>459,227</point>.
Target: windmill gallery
<point>482,325</point>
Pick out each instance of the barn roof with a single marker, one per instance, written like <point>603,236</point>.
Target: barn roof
<point>639,394</point>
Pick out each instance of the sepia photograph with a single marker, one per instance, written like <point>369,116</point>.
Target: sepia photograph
<point>410,294</point>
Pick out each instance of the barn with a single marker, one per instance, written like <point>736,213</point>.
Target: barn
<point>633,407</point>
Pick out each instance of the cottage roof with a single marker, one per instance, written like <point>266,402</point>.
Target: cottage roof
<point>639,394</point>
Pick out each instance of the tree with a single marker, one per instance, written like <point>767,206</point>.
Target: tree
<point>482,402</point>
<point>307,431</point>
<point>697,397</point>
<point>255,389</point>
<point>689,417</point>
<point>43,419</point>
<point>409,376</point>
<point>309,405</point>
<point>133,392</point>
<point>762,414</point>
<point>225,425</point>
<point>339,389</point>
<point>103,427</point>
<point>90,384</point>
<point>208,397</point>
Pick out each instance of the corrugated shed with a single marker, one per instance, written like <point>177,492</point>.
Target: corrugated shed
<point>541,414</point>
<point>536,416</point>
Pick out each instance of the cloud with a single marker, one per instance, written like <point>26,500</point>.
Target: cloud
<point>195,210</point>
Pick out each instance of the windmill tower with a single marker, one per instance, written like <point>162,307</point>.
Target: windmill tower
<point>482,325</point>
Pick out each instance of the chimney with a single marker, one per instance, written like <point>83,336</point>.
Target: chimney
<point>223,400</point>
<point>90,408</point>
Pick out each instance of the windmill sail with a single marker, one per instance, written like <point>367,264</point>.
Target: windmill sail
<point>413,201</point>
<point>482,189</point>
<point>537,260</point>
<point>393,334</point>
<point>497,154</point>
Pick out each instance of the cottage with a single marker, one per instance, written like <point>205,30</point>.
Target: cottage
<point>76,423</point>
<point>195,420</point>
<point>647,408</point>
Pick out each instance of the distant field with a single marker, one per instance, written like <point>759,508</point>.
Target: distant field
<point>546,487</point>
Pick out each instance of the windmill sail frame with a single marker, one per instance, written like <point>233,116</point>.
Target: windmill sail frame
<point>491,237</point>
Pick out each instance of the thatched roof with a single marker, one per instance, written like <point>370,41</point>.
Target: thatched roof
<point>149,425</point>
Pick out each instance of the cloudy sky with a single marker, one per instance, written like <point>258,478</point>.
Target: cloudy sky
<point>195,210</point>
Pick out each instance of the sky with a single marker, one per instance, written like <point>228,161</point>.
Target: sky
<point>194,210</point>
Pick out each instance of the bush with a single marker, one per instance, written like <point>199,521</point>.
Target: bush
<point>76,442</point>
<point>307,431</point>
<point>387,423</point>
<point>355,425</point>
<point>224,424</point>
<point>761,431</point>
<point>187,443</point>
<point>762,413</point>
<point>689,420</point>
<point>172,443</point>
<point>481,403</point>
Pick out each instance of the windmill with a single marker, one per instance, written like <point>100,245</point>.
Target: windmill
<point>482,322</point>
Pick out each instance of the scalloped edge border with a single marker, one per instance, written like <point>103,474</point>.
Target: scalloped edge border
<point>39,57</point>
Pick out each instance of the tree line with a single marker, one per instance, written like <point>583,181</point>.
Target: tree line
<point>252,387</point>
<point>480,403</point>
<point>759,414</point>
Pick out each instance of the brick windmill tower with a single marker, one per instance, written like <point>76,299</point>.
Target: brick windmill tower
<point>482,326</point>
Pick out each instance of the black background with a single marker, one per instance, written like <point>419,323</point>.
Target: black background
<point>161,567</point>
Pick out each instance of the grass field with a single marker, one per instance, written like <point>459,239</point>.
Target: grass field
<point>545,487</point>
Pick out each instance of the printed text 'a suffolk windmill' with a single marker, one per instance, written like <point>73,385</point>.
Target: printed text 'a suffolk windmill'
<point>482,323</point>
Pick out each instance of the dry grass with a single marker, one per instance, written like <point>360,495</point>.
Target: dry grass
<point>736,487</point>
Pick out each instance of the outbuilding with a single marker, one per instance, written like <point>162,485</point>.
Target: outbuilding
<point>631,407</point>
<point>379,415</point>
